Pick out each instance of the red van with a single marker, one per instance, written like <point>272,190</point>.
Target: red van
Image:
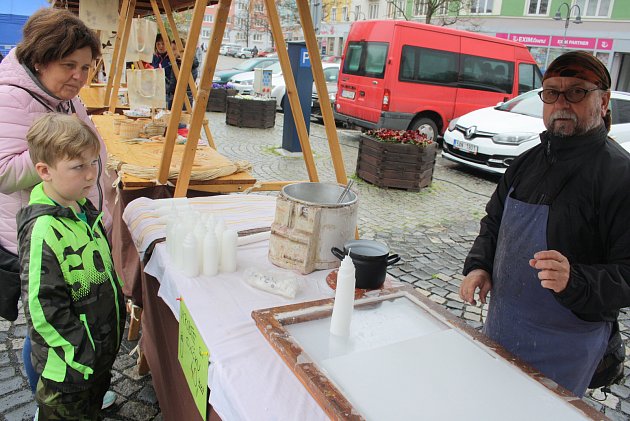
<point>408,75</point>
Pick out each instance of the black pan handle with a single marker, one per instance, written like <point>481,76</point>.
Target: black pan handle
<point>393,258</point>
<point>337,253</point>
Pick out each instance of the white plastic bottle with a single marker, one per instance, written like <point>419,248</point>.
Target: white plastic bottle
<point>228,251</point>
<point>190,256</point>
<point>210,260</point>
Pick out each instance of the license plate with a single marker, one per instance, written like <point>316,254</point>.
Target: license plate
<point>347,94</point>
<point>465,146</point>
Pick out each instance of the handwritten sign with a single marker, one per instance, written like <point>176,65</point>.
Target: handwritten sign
<point>193,356</point>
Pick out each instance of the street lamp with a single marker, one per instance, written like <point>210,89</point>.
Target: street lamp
<point>577,20</point>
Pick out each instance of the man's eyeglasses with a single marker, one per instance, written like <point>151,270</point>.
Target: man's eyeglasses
<point>572,95</point>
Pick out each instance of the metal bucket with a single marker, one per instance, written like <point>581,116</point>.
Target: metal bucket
<point>308,223</point>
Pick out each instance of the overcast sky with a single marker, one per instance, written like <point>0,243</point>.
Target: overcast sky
<point>21,7</point>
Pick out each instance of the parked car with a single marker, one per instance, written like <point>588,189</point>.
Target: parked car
<point>331,59</point>
<point>279,87</point>
<point>408,75</point>
<point>265,52</point>
<point>244,82</point>
<point>489,139</point>
<point>223,76</point>
<point>331,74</point>
<point>245,53</point>
<point>225,48</point>
<point>233,50</point>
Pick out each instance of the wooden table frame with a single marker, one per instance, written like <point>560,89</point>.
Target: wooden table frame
<point>272,322</point>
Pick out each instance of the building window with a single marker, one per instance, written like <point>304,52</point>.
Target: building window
<point>373,10</point>
<point>205,33</point>
<point>595,8</point>
<point>258,7</point>
<point>420,7</point>
<point>395,9</point>
<point>357,12</point>
<point>481,6</point>
<point>537,7</point>
<point>240,36</point>
<point>344,14</point>
<point>333,14</point>
<point>257,37</point>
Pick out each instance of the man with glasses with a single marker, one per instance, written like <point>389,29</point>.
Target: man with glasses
<point>554,247</point>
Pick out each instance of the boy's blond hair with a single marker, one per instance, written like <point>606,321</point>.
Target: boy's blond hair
<point>56,136</point>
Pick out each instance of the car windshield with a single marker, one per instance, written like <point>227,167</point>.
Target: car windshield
<point>275,68</point>
<point>527,104</point>
<point>247,64</point>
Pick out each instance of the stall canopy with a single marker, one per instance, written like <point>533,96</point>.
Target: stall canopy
<point>143,7</point>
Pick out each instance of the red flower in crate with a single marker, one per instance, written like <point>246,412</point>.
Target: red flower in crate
<point>407,137</point>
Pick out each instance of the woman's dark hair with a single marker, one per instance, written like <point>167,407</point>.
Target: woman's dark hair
<point>52,34</point>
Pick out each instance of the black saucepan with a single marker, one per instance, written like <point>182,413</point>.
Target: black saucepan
<point>370,259</point>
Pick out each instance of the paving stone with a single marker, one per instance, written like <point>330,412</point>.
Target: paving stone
<point>621,391</point>
<point>439,291</point>
<point>10,384</point>
<point>6,372</point>
<point>472,316</point>
<point>24,412</point>
<point>126,387</point>
<point>437,299</point>
<point>137,411</point>
<point>147,394</point>
<point>454,296</point>
<point>625,407</point>
<point>455,305</point>
<point>615,415</point>
<point>17,398</point>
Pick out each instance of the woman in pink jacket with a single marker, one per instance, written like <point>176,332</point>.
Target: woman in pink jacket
<point>43,74</point>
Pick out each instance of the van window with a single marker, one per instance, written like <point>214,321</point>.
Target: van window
<point>486,74</point>
<point>366,59</point>
<point>528,77</point>
<point>427,66</point>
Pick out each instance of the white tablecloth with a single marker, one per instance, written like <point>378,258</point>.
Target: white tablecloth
<point>247,378</point>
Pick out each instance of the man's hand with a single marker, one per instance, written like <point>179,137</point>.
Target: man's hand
<point>554,269</point>
<point>477,278</point>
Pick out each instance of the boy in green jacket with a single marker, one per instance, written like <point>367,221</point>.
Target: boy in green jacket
<point>75,307</point>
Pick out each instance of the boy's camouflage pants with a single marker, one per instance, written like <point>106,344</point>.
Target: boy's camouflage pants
<point>83,405</point>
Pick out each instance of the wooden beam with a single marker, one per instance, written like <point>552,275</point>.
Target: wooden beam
<point>122,19</point>
<point>205,84</point>
<point>291,89</point>
<point>120,66</point>
<point>180,93</point>
<point>322,90</point>
<point>191,80</point>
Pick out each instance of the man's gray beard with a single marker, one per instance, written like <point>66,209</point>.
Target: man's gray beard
<point>580,127</point>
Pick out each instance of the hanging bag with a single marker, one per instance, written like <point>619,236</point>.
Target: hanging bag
<point>99,14</point>
<point>141,40</point>
<point>146,88</point>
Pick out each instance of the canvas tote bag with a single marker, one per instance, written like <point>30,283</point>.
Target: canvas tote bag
<point>141,40</point>
<point>99,14</point>
<point>146,88</point>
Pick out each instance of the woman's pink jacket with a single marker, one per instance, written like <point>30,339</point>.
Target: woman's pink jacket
<point>18,110</point>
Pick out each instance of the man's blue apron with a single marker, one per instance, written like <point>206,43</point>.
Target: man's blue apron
<point>525,318</point>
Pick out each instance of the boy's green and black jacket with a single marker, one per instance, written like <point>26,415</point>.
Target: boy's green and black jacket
<point>75,306</point>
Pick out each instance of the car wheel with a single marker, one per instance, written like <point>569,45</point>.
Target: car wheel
<point>425,126</point>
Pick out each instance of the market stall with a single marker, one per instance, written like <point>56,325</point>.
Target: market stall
<point>405,356</point>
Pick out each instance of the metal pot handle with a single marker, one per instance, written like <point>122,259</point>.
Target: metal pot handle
<point>393,258</point>
<point>337,253</point>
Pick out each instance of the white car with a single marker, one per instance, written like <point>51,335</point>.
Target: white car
<point>244,82</point>
<point>490,138</point>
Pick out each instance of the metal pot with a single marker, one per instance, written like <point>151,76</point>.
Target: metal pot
<point>370,259</point>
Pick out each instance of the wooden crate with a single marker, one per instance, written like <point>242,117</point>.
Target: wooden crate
<point>250,113</point>
<point>217,100</point>
<point>408,167</point>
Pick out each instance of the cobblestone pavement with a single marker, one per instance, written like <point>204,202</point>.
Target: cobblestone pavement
<point>432,230</point>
